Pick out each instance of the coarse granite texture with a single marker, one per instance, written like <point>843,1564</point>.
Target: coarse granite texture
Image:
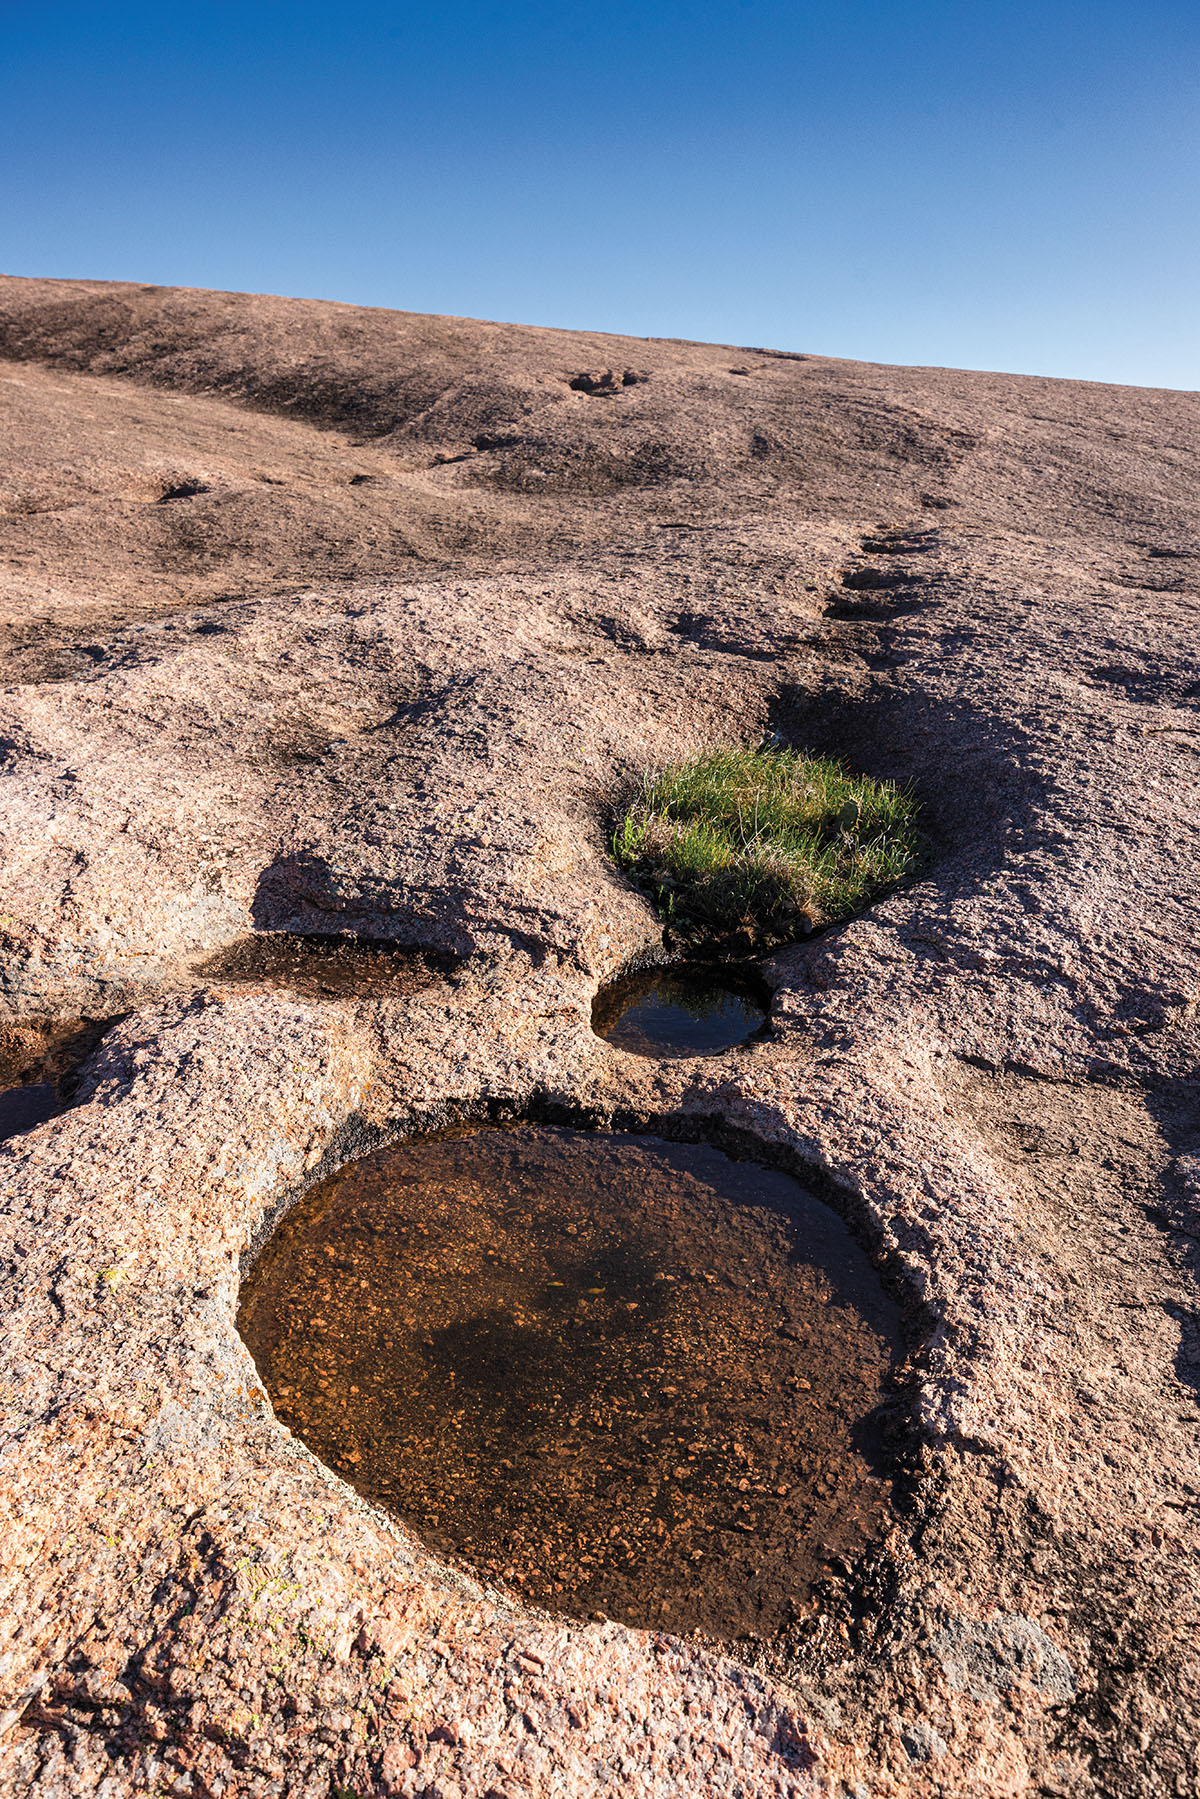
<point>318,618</point>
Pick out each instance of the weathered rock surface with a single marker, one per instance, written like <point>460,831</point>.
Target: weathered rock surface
<point>319,619</point>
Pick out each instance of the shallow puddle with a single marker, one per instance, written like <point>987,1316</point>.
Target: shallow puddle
<point>620,1375</point>
<point>688,1011</point>
<point>323,966</point>
<point>39,1060</point>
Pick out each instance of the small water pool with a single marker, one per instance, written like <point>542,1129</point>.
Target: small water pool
<point>39,1064</point>
<point>693,1010</point>
<point>616,1374</point>
<point>333,966</point>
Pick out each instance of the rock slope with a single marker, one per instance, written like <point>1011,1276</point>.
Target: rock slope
<point>318,618</point>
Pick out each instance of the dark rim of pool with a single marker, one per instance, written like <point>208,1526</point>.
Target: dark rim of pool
<point>682,1009</point>
<point>617,1374</point>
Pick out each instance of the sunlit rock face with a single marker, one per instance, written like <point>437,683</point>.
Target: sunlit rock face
<point>325,623</point>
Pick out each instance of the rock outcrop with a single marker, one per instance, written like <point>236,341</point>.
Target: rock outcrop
<point>321,619</point>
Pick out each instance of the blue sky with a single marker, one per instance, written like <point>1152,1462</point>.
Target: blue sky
<point>976,184</point>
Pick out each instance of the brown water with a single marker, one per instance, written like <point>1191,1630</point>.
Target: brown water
<point>323,966</point>
<point>619,1375</point>
<point>686,1011</point>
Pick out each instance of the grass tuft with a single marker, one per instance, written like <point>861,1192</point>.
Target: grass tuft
<point>753,847</point>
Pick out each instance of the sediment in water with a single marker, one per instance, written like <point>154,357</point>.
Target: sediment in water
<point>327,966</point>
<point>620,1374</point>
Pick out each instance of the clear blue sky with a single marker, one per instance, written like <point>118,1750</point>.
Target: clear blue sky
<point>980,183</point>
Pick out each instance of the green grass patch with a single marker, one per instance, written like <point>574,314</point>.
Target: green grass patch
<point>753,847</point>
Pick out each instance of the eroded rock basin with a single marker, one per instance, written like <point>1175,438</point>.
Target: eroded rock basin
<point>693,1010</point>
<point>621,1375</point>
<point>317,967</point>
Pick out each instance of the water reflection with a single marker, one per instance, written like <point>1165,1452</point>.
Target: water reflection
<point>688,1011</point>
